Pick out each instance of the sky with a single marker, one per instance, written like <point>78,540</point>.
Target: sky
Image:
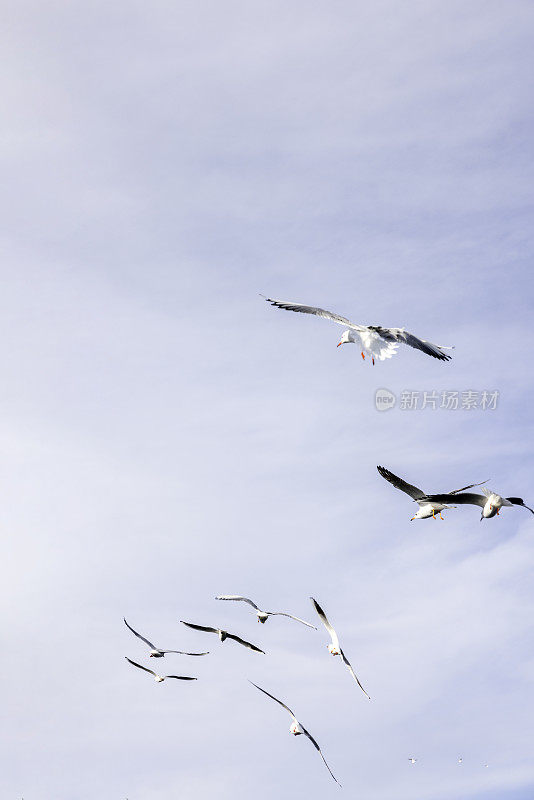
<point>167,436</point>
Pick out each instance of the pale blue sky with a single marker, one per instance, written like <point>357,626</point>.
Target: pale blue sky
<point>167,436</point>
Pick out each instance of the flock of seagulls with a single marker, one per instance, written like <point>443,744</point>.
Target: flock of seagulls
<point>334,648</point>
<point>378,343</point>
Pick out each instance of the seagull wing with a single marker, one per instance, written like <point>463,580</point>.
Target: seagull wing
<point>517,501</point>
<point>318,312</point>
<point>349,667</point>
<point>146,669</point>
<point>181,678</point>
<point>324,620</point>
<point>275,699</point>
<point>200,627</point>
<point>237,597</point>
<point>153,646</point>
<point>468,498</point>
<point>244,643</point>
<point>312,740</point>
<point>398,483</point>
<point>402,336</point>
<point>282,614</point>
<point>471,486</point>
<point>182,653</point>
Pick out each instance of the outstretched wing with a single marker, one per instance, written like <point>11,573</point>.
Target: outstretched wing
<point>152,646</point>
<point>471,486</point>
<point>181,678</point>
<point>318,312</point>
<point>275,699</point>
<point>200,627</point>
<point>312,740</point>
<point>348,665</point>
<point>182,653</point>
<point>146,669</point>
<point>237,597</point>
<point>517,501</point>
<point>245,643</point>
<point>468,498</point>
<point>324,620</point>
<point>402,336</point>
<point>398,483</point>
<point>298,619</point>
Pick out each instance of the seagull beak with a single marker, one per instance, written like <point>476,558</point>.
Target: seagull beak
<point>339,344</point>
<point>412,519</point>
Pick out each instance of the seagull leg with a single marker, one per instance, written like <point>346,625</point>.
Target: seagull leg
<point>498,510</point>
<point>440,516</point>
<point>373,360</point>
<point>433,513</point>
<point>363,355</point>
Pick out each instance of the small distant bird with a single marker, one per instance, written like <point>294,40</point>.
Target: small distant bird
<point>412,760</point>
<point>297,729</point>
<point>159,678</point>
<point>429,505</point>
<point>460,759</point>
<point>334,647</point>
<point>375,340</point>
<point>490,502</point>
<point>155,652</point>
<point>223,635</point>
<point>262,615</point>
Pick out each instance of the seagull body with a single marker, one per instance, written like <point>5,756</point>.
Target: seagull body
<point>155,652</point>
<point>223,635</point>
<point>334,647</point>
<point>412,760</point>
<point>429,505</point>
<point>374,340</point>
<point>263,615</point>
<point>490,502</point>
<point>159,678</point>
<point>297,729</point>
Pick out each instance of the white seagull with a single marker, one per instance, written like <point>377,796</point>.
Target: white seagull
<point>297,729</point>
<point>159,678</point>
<point>490,502</point>
<point>262,615</point>
<point>223,635</point>
<point>375,340</point>
<point>412,760</point>
<point>429,505</point>
<point>155,652</point>
<point>334,647</point>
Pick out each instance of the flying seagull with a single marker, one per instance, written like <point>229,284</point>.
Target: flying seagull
<point>262,615</point>
<point>297,729</point>
<point>429,505</point>
<point>223,635</point>
<point>412,760</point>
<point>155,652</point>
<point>334,646</point>
<point>375,340</point>
<point>159,678</point>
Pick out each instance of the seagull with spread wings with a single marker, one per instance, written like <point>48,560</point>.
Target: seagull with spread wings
<point>262,615</point>
<point>429,505</point>
<point>155,652</point>
<point>375,340</point>
<point>297,729</point>
<point>159,678</point>
<point>334,646</point>
<point>223,635</point>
